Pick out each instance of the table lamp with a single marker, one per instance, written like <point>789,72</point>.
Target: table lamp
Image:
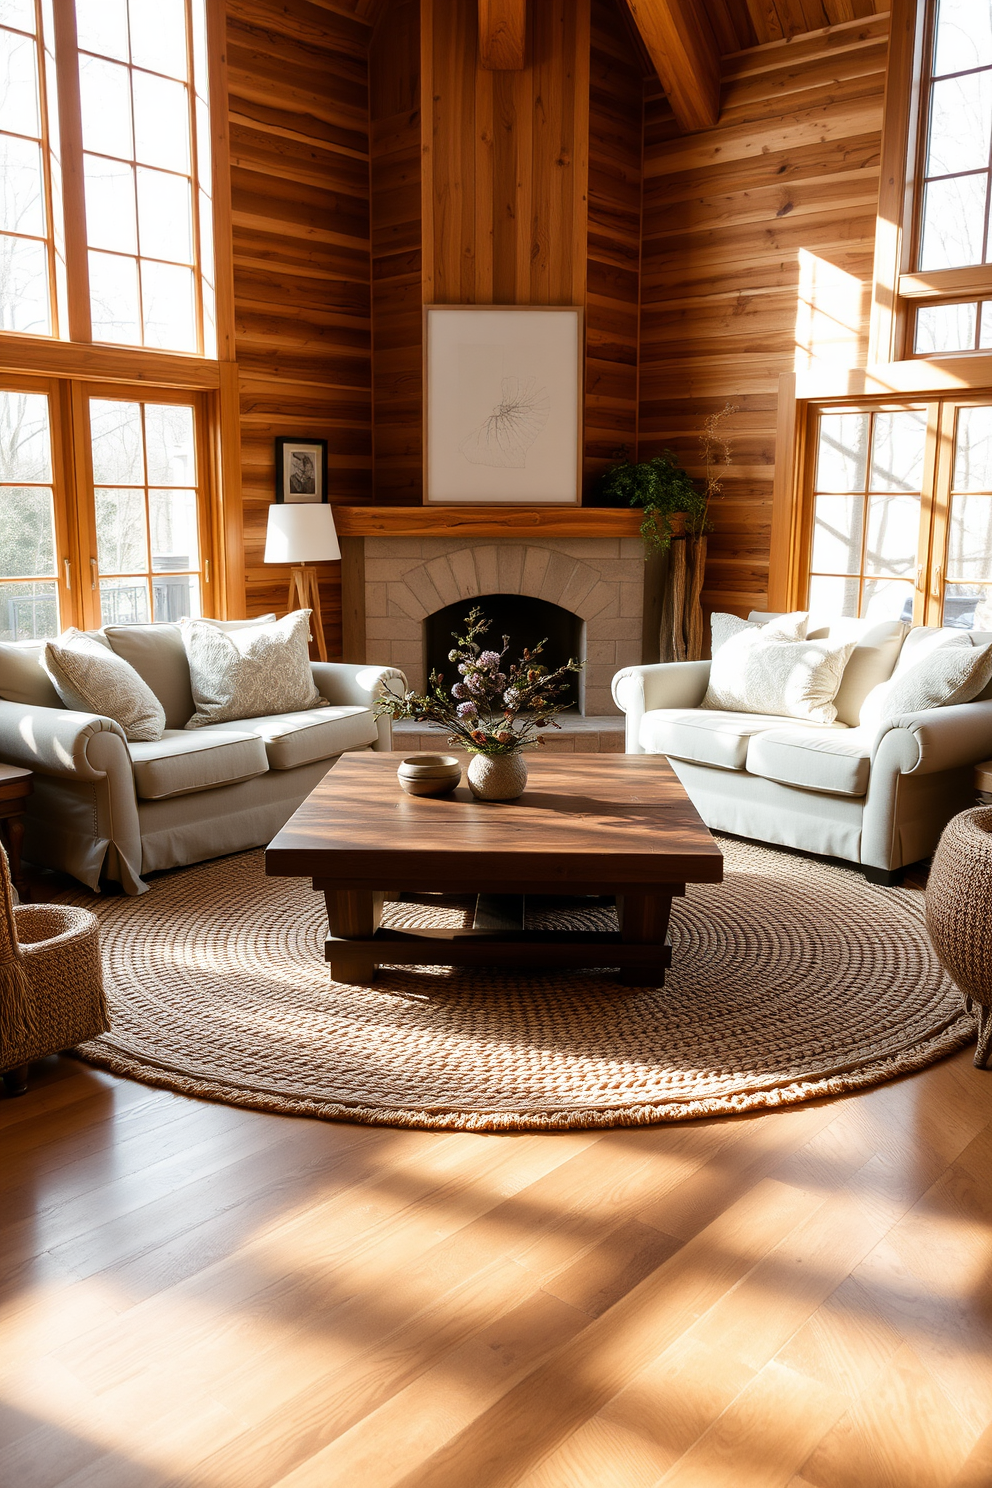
<point>302,534</point>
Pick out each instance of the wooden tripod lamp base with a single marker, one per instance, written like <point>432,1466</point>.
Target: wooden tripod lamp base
<point>304,594</point>
<point>301,534</point>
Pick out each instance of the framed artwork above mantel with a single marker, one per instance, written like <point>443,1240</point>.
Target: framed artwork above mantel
<point>503,405</point>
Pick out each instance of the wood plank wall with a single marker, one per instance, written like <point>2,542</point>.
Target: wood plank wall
<point>298,111</point>
<point>756,258</point>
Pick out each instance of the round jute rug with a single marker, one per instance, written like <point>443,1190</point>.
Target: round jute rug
<point>791,980</point>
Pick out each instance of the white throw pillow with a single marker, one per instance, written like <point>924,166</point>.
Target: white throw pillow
<point>786,627</point>
<point>923,640</point>
<point>753,673</point>
<point>249,672</point>
<point>90,678</point>
<point>948,675</point>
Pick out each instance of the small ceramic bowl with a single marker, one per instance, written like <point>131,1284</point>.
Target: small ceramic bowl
<point>429,774</point>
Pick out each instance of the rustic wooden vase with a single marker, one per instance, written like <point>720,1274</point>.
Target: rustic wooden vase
<point>959,914</point>
<point>682,612</point>
<point>497,777</point>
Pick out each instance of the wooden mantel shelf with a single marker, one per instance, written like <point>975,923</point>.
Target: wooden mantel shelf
<point>486,521</point>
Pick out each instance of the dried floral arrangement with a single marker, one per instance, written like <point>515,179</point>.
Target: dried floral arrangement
<point>495,707</point>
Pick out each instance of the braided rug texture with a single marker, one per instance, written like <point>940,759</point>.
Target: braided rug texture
<point>791,980</point>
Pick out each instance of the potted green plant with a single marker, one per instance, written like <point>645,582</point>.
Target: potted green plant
<point>662,489</point>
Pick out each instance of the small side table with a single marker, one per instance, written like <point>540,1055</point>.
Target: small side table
<point>15,787</point>
<point>983,781</point>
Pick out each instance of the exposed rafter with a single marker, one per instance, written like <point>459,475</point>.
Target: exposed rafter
<point>683,49</point>
<point>502,34</point>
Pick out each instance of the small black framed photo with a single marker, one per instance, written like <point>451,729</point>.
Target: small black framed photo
<point>301,470</point>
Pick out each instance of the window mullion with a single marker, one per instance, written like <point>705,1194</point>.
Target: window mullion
<point>73,191</point>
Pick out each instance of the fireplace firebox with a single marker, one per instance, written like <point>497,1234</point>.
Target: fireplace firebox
<point>525,619</point>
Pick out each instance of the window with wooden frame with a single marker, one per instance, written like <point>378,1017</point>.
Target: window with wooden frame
<point>896,521</point>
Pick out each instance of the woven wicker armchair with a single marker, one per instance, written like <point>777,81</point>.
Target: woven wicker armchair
<point>959,914</point>
<point>51,981</point>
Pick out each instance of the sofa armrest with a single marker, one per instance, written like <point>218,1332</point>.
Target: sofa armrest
<point>343,682</point>
<point>56,741</point>
<point>938,739</point>
<point>665,684</point>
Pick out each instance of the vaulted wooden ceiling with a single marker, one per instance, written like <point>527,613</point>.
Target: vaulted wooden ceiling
<point>745,23</point>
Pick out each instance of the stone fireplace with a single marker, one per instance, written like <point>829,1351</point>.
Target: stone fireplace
<point>392,582</point>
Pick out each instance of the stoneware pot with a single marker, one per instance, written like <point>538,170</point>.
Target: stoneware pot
<point>497,777</point>
<point>429,774</point>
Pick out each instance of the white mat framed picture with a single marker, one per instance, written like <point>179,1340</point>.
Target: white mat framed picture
<point>502,404</point>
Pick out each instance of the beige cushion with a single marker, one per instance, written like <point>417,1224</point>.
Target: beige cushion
<point>23,678</point>
<point>251,672</point>
<point>945,676</point>
<point>704,738</point>
<point>158,656</point>
<point>293,739</point>
<point>754,672</point>
<point>833,760</point>
<point>90,678</point>
<point>181,762</point>
<point>875,655</point>
<point>787,627</point>
<point>923,640</point>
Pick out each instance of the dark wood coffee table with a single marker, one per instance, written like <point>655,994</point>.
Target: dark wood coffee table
<point>613,824</point>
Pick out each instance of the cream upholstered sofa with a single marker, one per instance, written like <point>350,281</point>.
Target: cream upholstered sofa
<point>105,808</point>
<point>879,797</point>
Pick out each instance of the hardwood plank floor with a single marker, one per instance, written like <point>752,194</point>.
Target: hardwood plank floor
<point>196,1295</point>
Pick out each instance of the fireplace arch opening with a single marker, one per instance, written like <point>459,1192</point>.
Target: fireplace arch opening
<point>525,619</point>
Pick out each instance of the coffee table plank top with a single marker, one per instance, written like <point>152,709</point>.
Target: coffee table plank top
<point>614,818</point>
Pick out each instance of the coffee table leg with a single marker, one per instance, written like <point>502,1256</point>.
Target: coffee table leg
<point>352,914</point>
<point>644,921</point>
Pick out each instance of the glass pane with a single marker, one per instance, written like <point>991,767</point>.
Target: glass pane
<point>25,441</point>
<point>164,216</point>
<point>973,450</point>
<point>106,104</point>
<point>121,539</point>
<point>109,204</point>
<point>969,552</point>
<point>161,122</point>
<point>960,122</point>
<point>29,612</point>
<point>167,297</point>
<point>115,431</point>
<point>887,599</point>
<point>968,606</point>
<point>837,534</point>
<point>893,534</point>
<point>22,192</point>
<point>964,35</point>
<point>114,299</point>
<point>897,451</point>
<point>843,452</point>
<point>124,601</point>
<point>833,597</point>
<point>18,84</point>
<point>172,517</point>
<point>209,319</point>
<point>17,13</point>
<point>158,36</point>
<point>985,330</point>
<point>27,531</point>
<point>206,237</point>
<point>953,222</point>
<point>101,26</point>
<point>171,450</point>
<point>175,596</point>
<point>945,328</point>
<point>24,286</point>
<point>204,168</point>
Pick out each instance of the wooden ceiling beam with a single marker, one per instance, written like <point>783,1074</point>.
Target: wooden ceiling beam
<point>683,50</point>
<point>502,35</point>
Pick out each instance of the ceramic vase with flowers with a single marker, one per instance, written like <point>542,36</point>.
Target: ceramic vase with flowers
<point>495,708</point>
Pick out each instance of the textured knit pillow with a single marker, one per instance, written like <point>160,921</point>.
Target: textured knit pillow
<point>89,678</point>
<point>754,673</point>
<point>249,672</point>
<point>948,675</point>
<point>785,627</point>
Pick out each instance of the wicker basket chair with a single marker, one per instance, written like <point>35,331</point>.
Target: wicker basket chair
<point>51,981</point>
<point>959,914</point>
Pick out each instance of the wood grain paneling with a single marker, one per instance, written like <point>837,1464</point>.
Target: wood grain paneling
<point>299,114</point>
<point>756,260</point>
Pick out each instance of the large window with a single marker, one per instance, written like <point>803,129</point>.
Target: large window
<point>127,79</point>
<point>29,589</point>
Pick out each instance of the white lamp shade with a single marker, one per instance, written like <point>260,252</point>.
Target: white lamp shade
<point>301,532</point>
